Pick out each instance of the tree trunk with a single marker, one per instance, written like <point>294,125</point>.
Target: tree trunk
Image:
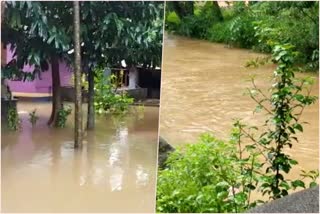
<point>56,94</point>
<point>91,114</point>
<point>77,75</point>
<point>217,11</point>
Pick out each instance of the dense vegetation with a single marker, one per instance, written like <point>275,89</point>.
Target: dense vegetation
<point>241,25</point>
<point>220,176</point>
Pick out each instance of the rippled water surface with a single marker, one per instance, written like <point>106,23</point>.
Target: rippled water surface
<point>115,171</point>
<point>203,87</point>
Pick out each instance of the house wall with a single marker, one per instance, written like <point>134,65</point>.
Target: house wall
<point>43,85</point>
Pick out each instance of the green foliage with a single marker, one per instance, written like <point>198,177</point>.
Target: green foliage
<point>242,31</point>
<point>209,176</point>
<point>107,98</point>
<point>215,176</point>
<point>35,35</point>
<point>33,118</point>
<point>219,32</point>
<point>259,61</point>
<point>193,25</point>
<point>172,21</point>
<point>255,26</point>
<point>14,122</point>
<point>110,32</point>
<point>63,114</point>
<point>285,106</point>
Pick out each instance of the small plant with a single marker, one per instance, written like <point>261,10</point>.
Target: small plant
<point>63,114</point>
<point>14,122</point>
<point>285,107</point>
<point>33,118</point>
<point>107,97</point>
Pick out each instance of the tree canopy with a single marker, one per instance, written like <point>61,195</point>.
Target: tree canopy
<point>110,32</point>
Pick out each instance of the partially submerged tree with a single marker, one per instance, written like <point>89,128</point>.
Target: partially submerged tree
<point>41,33</point>
<point>130,31</point>
<point>77,72</point>
<point>38,36</point>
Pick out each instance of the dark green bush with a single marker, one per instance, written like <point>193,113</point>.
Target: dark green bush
<point>242,31</point>
<point>283,22</point>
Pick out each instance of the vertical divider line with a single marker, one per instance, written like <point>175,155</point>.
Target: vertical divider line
<point>159,114</point>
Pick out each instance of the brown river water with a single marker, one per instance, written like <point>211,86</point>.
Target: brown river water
<point>115,171</point>
<point>202,90</point>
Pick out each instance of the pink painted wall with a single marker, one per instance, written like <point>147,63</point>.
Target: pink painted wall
<point>43,85</point>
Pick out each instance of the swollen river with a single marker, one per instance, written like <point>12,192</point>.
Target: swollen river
<point>203,86</point>
<point>115,171</point>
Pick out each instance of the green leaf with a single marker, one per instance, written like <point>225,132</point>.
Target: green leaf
<point>293,162</point>
<point>298,183</point>
<point>313,184</point>
<point>298,126</point>
<point>51,38</point>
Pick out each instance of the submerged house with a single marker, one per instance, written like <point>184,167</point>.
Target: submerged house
<point>43,84</point>
<point>148,81</point>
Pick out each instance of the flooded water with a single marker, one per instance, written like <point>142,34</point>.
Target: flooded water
<point>115,171</point>
<point>202,90</point>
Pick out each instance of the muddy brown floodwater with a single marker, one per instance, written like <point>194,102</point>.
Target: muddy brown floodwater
<point>115,171</point>
<point>202,90</point>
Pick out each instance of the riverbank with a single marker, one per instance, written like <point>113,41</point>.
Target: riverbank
<point>208,93</point>
<point>252,25</point>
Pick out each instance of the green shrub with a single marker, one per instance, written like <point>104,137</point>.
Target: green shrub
<point>207,176</point>
<point>299,26</point>
<point>217,176</point>
<point>172,21</point>
<point>106,97</point>
<point>242,32</point>
<point>14,122</point>
<point>220,32</point>
<point>63,114</point>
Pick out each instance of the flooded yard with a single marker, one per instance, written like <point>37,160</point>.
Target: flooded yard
<point>115,171</point>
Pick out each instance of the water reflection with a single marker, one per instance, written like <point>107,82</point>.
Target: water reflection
<point>113,172</point>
